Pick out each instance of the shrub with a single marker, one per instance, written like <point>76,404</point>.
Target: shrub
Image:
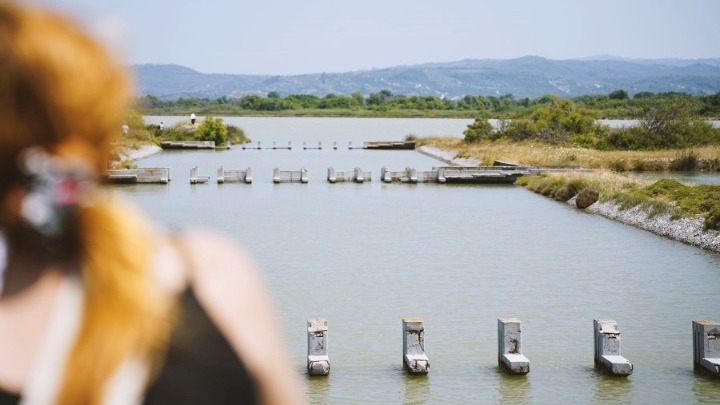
<point>212,129</point>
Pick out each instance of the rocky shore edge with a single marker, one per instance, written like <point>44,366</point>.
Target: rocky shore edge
<point>686,230</point>
<point>139,153</point>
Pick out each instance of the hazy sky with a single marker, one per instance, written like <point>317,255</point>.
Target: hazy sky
<point>312,36</point>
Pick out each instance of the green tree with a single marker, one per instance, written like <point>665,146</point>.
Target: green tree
<point>618,95</point>
<point>212,129</point>
<point>479,130</point>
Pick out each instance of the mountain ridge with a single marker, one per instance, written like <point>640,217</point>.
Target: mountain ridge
<point>527,76</point>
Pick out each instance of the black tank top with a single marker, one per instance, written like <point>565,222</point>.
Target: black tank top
<point>200,366</point>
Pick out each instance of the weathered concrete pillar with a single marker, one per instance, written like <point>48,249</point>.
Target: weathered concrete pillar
<point>318,361</point>
<point>220,175</point>
<point>441,176</point>
<point>414,359</point>
<point>248,176</point>
<point>319,145</point>
<point>276,175</point>
<point>332,177</point>
<point>358,174</point>
<point>259,147</point>
<point>412,175</point>
<point>289,145</point>
<point>274,145</point>
<point>509,346</point>
<point>607,348</point>
<point>385,175</point>
<point>304,145</point>
<point>335,145</point>
<point>706,346</point>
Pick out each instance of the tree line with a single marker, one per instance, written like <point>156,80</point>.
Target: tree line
<point>564,122</point>
<point>617,104</point>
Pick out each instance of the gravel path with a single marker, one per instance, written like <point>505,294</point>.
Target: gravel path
<point>687,230</point>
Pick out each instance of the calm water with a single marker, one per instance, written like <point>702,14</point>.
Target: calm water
<point>366,255</point>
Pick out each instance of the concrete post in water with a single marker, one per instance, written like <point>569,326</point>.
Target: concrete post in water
<point>412,175</point>
<point>332,178</point>
<point>441,176</point>
<point>319,145</point>
<point>303,175</point>
<point>248,176</point>
<point>607,348</point>
<point>274,145</point>
<point>385,175</point>
<point>358,175</point>
<point>318,361</point>
<point>509,346</point>
<point>706,346</point>
<point>304,145</point>
<point>220,175</point>
<point>289,145</point>
<point>414,359</point>
<point>276,175</point>
<point>259,147</point>
<point>335,145</point>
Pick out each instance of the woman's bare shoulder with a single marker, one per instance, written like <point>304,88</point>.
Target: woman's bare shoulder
<point>229,286</point>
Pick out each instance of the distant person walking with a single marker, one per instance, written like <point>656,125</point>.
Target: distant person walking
<point>192,118</point>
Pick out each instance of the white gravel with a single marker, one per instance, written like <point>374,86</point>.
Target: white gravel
<point>686,230</point>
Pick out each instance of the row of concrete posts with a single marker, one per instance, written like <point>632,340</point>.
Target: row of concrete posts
<point>706,347</point>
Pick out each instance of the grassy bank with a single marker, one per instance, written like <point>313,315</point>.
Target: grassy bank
<point>543,154</point>
<point>659,197</point>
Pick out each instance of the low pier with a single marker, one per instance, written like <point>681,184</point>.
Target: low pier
<point>196,178</point>
<point>290,176</point>
<point>414,359</point>
<point>607,348</point>
<point>455,174</point>
<point>187,144</point>
<point>357,175</point>
<point>150,175</point>
<point>510,357</point>
<point>273,147</point>
<point>318,361</point>
<point>318,147</point>
<point>408,145</point>
<point>234,176</point>
<point>706,346</point>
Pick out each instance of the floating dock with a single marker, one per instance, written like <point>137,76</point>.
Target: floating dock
<point>356,175</point>
<point>456,174</point>
<point>234,176</point>
<point>389,145</point>
<point>290,176</point>
<point>187,144</point>
<point>150,175</point>
<point>196,178</point>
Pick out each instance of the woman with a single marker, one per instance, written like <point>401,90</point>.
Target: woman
<point>96,306</point>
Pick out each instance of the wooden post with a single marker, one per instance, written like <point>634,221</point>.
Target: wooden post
<point>414,359</point>
<point>509,347</point>
<point>318,361</point>
<point>706,346</point>
<point>607,348</point>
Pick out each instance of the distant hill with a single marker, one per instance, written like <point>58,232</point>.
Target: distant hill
<point>528,76</point>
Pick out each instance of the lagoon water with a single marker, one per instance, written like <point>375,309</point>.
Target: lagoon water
<point>366,255</point>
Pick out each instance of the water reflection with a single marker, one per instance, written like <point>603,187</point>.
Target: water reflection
<point>513,389</point>
<point>705,388</point>
<point>613,389</point>
<point>417,389</point>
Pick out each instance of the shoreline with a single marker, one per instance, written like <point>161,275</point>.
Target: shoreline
<point>686,230</point>
<point>142,152</point>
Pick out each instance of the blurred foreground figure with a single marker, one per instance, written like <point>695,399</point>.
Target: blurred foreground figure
<point>96,305</point>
